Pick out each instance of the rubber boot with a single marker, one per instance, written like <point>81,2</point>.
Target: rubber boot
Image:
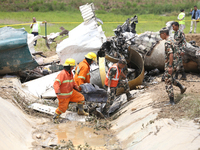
<point>163,78</point>
<point>176,75</point>
<point>183,76</point>
<point>81,110</point>
<point>56,116</point>
<point>129,96</point>
<point>182,88</point>
<point>171,100</point>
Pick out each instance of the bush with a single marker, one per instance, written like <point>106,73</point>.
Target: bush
<point>49,6</point>
<point>35,8</point>
<point>134,4</point>
<point>62,7</point>
<point>102,7</point>
<point>128,4</point>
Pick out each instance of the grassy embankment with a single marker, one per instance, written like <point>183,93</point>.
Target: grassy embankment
<point>22,11</point>
<point>148,22</point>
<point>125,7</point>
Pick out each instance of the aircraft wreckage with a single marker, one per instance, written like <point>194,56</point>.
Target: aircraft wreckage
<point>144,51</point>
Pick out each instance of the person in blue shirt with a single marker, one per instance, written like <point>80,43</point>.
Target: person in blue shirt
<point>195,17</point>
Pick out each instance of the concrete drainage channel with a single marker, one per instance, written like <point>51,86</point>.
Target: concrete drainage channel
<point>136,128</point>
<point>29,129</point>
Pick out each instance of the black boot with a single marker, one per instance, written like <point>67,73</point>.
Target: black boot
<point>163,78</point>
<point>129,96</point>
<point>183,76</point>
<point>171,100</point>
<point>182,88</point>
<point>176,75</point>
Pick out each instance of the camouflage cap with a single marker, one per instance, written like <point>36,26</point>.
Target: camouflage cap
<point>163,30</point>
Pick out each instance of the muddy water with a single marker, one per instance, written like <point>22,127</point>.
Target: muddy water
<point>80,135</point>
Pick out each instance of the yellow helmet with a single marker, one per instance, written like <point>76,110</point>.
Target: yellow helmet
<point>69,62</point>
<point>91,55</point>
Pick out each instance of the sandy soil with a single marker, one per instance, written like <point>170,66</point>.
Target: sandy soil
<point>193,37</point>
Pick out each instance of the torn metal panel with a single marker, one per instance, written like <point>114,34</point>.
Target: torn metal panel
<point>82,39</point>
<point>87,11</point>
<point>86,37</point>
<point>72,116</point>
<point>50,93</point>
<point>39,86</point>
<point>14,52</point>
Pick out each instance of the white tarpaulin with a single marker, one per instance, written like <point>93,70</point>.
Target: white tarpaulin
<point>87,37</point>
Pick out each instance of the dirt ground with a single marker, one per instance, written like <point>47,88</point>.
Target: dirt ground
<point>187,105</point>
<point>193,37</point>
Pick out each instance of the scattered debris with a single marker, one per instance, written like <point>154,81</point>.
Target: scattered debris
<point>72,116</point>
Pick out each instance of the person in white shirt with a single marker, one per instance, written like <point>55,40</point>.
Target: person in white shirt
<point>35,28</point>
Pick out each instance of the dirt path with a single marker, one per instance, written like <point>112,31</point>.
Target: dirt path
<point>185,103</point>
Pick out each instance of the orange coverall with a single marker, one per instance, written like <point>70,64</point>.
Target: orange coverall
<point>64,84</point>
<point>82,74</point>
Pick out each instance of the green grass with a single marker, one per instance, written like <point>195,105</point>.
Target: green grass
<point>148,22</point>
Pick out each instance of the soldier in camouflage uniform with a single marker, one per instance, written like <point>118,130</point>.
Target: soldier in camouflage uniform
<point>171,62</point>
<point>113,82</point>
<point>181,44</point>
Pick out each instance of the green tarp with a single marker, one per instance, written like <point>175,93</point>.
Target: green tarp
<point>14,52</point>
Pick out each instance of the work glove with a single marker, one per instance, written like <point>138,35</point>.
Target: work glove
<point>108,90</point>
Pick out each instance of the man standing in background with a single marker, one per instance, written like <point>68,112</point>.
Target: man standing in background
<point>35,28</point>
<point>181,18</point>
<point>194,18</point>
<point>181,44</point>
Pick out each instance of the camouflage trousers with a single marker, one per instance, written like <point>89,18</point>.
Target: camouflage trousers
<point>112,94</point>
<point>180,67</point>
<point>169,82</point>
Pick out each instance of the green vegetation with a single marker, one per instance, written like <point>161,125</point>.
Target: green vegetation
<point>70,20</point>
<point>125,7</point>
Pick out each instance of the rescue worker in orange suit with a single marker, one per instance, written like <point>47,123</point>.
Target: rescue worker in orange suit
<point>112,82</point>
<point>82,74</point>
<point>67,90</point>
